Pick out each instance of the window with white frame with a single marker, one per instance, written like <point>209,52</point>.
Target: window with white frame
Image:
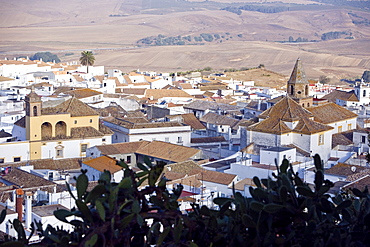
<point>321,139</point>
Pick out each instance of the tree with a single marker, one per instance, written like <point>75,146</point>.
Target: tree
<point>45,57</point>
<point>366,76</point>
<point>324,79</point>
<point>87,59</point>
<point>283,211</point>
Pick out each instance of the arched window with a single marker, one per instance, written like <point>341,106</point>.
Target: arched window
<point>291,89</point>
<point>303,105</point>
<point>306,90</point>
<point>35,111</point>
<point>308,104</point>
<point>46,131</point>
<point>61,129</point>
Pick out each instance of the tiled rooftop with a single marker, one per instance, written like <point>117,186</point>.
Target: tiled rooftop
<point>103,163</point>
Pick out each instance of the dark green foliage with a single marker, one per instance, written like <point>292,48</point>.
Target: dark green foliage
<point>263,8</point>
<point>207,37</point>
<point>324,79</point>
<point>333,35</point>
<point>46,57</point>
<point>198,39</point>
<point>366,76</point>
<point>87,58</point>
<point>359,20</point>
<point>233,9</point>
<point>162,40</point>
<point>283,211</point>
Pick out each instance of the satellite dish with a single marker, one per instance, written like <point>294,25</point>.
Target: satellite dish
<point>353,168</point>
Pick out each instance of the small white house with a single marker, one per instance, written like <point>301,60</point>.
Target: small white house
<point>97,166</point>
<point>268,156</point>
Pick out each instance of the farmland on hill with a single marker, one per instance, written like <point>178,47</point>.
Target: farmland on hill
<point>161,34</point>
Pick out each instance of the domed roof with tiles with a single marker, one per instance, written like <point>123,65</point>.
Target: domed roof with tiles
<point>287,110</point>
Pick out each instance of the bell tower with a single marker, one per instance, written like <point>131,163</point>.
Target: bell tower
<point>298,86</point>
<point>33,123</point>
<point>33,104</point>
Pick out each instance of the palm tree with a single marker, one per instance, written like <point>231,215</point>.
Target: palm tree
<point>87,59</point>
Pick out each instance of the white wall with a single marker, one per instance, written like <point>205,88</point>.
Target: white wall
<point>94,175</point>
<point>173,134</point>
<point>266,139</point>
<point>63,198</point>
<point>7,227</point>
<point>51,220</point>
<point>9,150</point>
<point>71,147</point>
<point>13,70</point>
<point>324,149</point>
<point>345,124</point>
<point>268,156</point>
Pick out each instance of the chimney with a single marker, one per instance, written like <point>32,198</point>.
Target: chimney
<point>28,209</point>
<point>18,203</point>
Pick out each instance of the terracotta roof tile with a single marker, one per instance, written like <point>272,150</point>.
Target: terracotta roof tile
<point>103,163</point>
<point>161,93</point>
<point>2,78</point>
<point>193,181</point>
<point>308,127</point>
<point>170,175</point>
<point>26,180</point>
<point>184,167</point>
<point>134,91</point>
<point>192,121</point>
<point>127,79</point>
<point>213,176</point>
<point>111,110</point>
<point>342,169</point>
<point>360,184</point>
<point>214,118</point>
<point>121,148</point>
<point>287,110</point>
<point>53,164</point>
<point>342,95</point>
<point>331,113</point>
<point>78,78</point>
<point>340,139</point>
<point>245,123</point>
<point>242,184</point>
<point>73,106</point>
<point>83,93</point>
<point>168,151</point>
<point>271,125</point>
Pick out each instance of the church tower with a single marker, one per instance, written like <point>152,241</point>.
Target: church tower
<point>33,104</point>
<point>298,86</point>
<point>33,122</point>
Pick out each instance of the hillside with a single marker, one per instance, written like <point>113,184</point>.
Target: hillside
<point>113,28</point>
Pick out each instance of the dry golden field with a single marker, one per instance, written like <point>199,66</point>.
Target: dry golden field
<point>67,27</point>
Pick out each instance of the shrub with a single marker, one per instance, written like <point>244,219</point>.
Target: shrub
<point>283,211</point>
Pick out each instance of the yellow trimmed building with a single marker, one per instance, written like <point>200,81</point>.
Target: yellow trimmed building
<point>63,131</point>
